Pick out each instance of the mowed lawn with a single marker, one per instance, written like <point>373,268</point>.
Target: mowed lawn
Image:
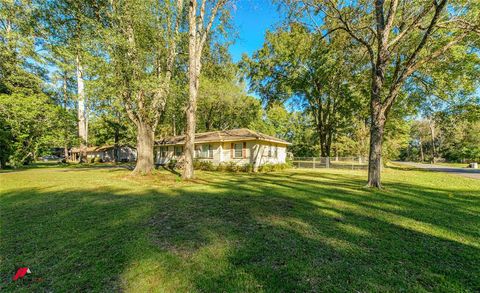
<point>82,230</point>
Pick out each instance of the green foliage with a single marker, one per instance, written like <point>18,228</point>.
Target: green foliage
<point>273,167</point>
<point>172,164</point>
<point>235,167</point>
<point>223,104</point>
<point>451,134</point>
<point>204,165</point>
<point>298,66</point>
<point>459,128</point>
<point>29,123</point>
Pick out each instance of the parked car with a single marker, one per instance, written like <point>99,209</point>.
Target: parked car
<point>51,158</point>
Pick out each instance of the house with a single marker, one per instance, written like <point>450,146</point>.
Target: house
<point>107,153</point>
<point>242,146</point>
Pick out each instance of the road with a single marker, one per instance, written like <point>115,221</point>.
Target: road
<point>465,172</point>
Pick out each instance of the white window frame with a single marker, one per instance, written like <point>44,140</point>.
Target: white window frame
<point>203,153</point>
<point>175,148</point>
<point>235,150</point>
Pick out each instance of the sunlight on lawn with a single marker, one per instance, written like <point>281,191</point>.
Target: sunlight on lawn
<point>298,230</point>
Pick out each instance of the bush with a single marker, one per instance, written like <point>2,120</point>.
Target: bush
<point>265,168</point>
<point>235,168</point>
<point>273,167</point>
<point>248,168</point>
<point>222,167</point>
<point>232,167</point>
<point>172,164</point>
<point>97,160</point>
<point>204,165</point>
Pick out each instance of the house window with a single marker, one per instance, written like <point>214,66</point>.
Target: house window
<point>274,152</point>
<point>163,152</point>
<point>238,154</point>
<point>270,151</point>
<point>178,151</point>
<point>205,151</point>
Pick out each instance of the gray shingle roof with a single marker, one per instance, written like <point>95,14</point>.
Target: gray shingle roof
<point>240,134</point>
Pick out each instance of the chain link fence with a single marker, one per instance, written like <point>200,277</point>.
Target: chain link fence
<point>351,163</point>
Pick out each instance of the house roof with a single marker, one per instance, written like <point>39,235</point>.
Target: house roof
<point>240,134</point>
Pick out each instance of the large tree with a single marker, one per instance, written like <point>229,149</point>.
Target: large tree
<point>297,64</point>
<point>27,115</point>
<point>400,38</point>
<point>203,16</point>
<point>142,40</point>
<point>69,33</point>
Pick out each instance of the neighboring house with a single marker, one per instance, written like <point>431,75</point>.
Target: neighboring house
<point>242,146</point>
<point>107,153</point>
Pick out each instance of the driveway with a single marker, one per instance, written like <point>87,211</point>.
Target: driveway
<point>465,172</point>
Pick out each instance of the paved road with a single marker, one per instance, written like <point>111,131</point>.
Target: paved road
<point>465,172</point>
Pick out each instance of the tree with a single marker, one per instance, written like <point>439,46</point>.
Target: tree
<point>400,38</point>
<point>201,19</point>
<point>28,116</point>
<point>458,126</point>
<point>296,64</point>
<point>68,29</point>
<point>142,40</point>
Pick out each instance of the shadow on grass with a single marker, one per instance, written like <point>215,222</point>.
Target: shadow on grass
<point>301,232</point>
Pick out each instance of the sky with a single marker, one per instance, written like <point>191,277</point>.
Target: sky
<point>252,18</point>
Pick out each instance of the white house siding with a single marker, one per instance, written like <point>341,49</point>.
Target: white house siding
<point>108,155</point>
<point>222,153</point>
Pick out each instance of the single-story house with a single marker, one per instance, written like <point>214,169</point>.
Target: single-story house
<point>107,153</point>
<point>242,146</point>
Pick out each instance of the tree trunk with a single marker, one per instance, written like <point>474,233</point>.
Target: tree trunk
<point>115,143</point>
<point>65,101</point>
<point>422,158</point>
<point>145,140</point>
<point>432,133</point>
<point>188,172</point>
<point>325,143</point>
<point>194,54</point>
<point>81,114</point>
<point>376,139</point>
<point>3,162</point>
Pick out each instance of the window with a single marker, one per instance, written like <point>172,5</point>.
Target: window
<point>238,151</point>
<point>270,151</point>
<point>205,151</point>
<point>178,151</point>
<point>275,152</point>
<point>163,152</point>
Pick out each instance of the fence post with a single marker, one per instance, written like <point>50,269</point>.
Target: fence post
<point>327,162</point>
<point>313,162</point>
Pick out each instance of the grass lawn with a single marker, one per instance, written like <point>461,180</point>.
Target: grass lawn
<point>90,229</point>
<point>458,165</point>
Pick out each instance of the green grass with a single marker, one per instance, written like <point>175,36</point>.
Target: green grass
<point>459,165</point>
<point>90,229</point>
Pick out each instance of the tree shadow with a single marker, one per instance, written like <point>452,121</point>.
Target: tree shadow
<point>171,170</point>
<point>275,233</point>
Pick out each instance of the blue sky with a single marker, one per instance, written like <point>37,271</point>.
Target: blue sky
<point>252,18</point>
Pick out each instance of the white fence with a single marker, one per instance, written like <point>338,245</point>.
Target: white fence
<point>352,163</point>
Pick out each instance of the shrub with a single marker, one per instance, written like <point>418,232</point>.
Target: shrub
<point>204,165</point>
<point>172,164</point>
<point>265,168</point>
<point>97,160</point>
<point>222,167</point>
<point>232,167</point>
<point>248,168</point>
<point>273,167</point>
